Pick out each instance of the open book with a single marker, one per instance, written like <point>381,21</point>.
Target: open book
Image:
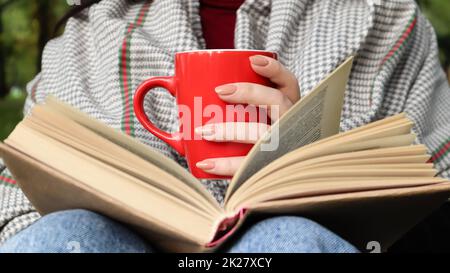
<point>368,184</point>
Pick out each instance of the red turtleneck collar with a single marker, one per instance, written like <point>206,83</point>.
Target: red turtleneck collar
<point>218,21</point>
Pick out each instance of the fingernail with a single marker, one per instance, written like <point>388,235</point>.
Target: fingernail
<point>259,60</point>
<point>205,165</point>
<point>206,130</point>
<point>226,89</point>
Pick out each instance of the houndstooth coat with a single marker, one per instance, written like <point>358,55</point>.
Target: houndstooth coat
<point>108,49</point>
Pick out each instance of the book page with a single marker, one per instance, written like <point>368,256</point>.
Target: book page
<point>361,217</point>
<point>128,143</point>
<point>145,199</point>
<point>50,190</point>
<point>323,186</point>
<point>314,117</point>
<point>369,137</point>
<point>72,134</point>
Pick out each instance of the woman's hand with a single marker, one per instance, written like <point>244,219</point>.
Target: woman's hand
<point>283,97</point>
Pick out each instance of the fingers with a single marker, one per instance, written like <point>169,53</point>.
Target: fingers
<point>283,97</point>
<point>277,100</point>
<point>255,94</point>
<point>226,166</point>
<point>242,132</point>
<point>270,68</point>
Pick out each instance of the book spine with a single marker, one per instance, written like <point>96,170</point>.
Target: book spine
<point>226,228</point>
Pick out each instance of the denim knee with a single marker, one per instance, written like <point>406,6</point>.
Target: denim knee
<point>75,231</point>
<point>290,234</point>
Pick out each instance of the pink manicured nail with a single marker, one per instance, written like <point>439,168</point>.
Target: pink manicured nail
<point>259,60</point>
<point>206,130</point>
<point>226,89</point>
<point>206,165</point>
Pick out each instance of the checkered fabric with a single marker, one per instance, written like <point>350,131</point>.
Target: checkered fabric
<point>108,49</point>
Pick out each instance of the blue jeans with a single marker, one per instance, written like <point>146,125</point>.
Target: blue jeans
<point>85,231</point>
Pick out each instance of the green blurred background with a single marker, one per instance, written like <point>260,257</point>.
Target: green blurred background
<point>26,25</point>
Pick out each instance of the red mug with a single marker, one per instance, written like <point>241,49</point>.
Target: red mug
<point>197,74</point>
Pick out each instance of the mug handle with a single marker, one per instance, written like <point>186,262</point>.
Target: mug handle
<point>167,83</point>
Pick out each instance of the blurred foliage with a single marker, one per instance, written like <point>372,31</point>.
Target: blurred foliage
<point>10,112</point>
<point>25,26</point>
<point>438,12</point>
